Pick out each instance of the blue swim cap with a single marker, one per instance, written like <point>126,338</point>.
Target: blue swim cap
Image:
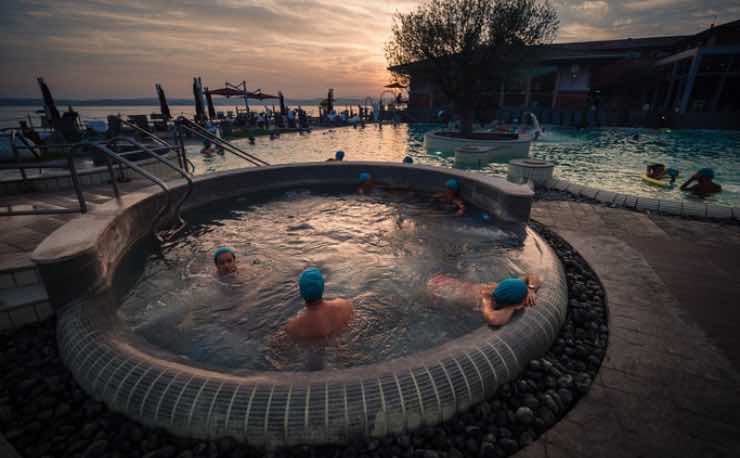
<point>485,216</point>
<point>453,185</point>
<point>339,155</point>
<point>709,173</point>
<point>364,176</point>
<point>221,250</point>
<point>509,292</point>
<point>311,284</point>
<point>408,160</point>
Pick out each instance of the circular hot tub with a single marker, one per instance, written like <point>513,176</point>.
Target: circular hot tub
<point>156,386</point>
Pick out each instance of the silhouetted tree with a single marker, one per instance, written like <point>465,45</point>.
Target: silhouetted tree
<point>464,43</point>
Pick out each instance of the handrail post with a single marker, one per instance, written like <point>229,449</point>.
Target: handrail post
<point>112,174</point>
<point>76,182</point>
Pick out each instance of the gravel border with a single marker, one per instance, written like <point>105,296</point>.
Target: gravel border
<point>44,413</point>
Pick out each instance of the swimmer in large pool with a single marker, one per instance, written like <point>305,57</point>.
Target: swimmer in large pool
<point>704,184</point>
<point>451,196</point>
<point>321,317</point>
<point>338,157</point>
<point>496,301</point>
<point>225,259</point>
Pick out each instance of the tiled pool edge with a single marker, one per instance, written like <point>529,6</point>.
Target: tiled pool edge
<point>670,207</point>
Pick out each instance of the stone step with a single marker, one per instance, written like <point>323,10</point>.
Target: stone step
<point>17,270</point>
<point>23,305</point>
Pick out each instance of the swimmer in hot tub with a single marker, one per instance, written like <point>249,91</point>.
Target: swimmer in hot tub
<point>451,196</point>
<point>366,183</point>
<point>321,317</point>
<point>496,301</point>
<point>225,259</point>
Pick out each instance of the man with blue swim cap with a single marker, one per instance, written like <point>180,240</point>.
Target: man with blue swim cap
<point>338,156</point>
<point>496,301</point>
<point>321,317</point>
<point>704,184</point>
<point>451,196</point>
<point>225,259</point>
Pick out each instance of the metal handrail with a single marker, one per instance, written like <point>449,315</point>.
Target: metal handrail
<point>72,173</point>
<point>195,129</point>
<point>153,153</point>
<point>182,158</point>
<point>110,154</point>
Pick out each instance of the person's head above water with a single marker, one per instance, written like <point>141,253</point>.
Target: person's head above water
<point>339,155</point>
<point>408,160</point>
<point>453,185</point>
<point>311,285</point>
<point>511,291</point>
<point>707,174</point>
<point>225,259</point>
<point>364,177</point>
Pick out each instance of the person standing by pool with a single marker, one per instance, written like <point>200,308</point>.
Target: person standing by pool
<point>451,196</point>
<point>496,301</point>
<point>321,317</point>
<point>704,184</point>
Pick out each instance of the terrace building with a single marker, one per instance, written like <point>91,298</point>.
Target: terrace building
<point>673,81</point>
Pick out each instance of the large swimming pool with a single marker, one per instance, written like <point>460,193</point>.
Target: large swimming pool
<point>609,158</point>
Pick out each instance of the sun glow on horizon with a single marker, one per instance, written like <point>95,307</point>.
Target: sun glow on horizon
<point>110,49</point>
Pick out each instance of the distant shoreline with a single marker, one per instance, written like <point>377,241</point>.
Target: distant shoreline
<point>172,102</point>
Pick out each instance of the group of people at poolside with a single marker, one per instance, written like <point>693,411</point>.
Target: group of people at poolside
<point>496,301</point>
<point>701,183</point>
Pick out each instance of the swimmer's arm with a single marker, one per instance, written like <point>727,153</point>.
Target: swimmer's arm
<point>496,317</point>
<point>685,186</point>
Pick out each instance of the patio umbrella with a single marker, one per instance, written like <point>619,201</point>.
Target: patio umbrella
<point>283,109</point>
<point>259,95</point>
<point>228,92</point>
<point>211,109</point>
<point>200,114</point>
<point>163,107</point>
<point>50,108</point>
<point>395,85</point>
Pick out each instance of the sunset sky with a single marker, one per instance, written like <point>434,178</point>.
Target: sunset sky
<point>118,49</point>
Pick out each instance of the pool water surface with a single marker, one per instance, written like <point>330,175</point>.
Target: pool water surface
<point>378,250</point>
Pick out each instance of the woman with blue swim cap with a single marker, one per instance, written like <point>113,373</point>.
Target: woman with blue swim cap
<point>496,301</point>
<point>704,184</point>
<point>451,196</point>
<point>321,317</point>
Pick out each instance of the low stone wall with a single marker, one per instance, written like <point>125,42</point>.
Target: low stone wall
<point>670,207</point>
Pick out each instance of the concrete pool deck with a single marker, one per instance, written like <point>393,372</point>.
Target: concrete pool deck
<point>670,382</point>
<point>669,385</point>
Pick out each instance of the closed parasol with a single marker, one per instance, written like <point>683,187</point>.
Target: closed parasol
<point>163,106</point>
<point>50,108</point>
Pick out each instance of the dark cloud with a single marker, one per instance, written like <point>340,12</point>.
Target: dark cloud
<point>110,48</point>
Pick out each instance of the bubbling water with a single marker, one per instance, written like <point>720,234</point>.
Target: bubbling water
<point>378,251</point>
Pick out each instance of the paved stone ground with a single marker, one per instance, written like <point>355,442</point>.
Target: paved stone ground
<point>21,234</point>
<point>670,382</point>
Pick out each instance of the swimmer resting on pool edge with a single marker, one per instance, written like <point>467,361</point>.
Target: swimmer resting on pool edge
<point>321,317</point>
<point>496,301</point>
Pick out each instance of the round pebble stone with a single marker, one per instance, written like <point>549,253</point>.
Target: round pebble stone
<point>524,415</point>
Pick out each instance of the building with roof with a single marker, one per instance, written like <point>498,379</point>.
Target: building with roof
<point>678,81</point>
